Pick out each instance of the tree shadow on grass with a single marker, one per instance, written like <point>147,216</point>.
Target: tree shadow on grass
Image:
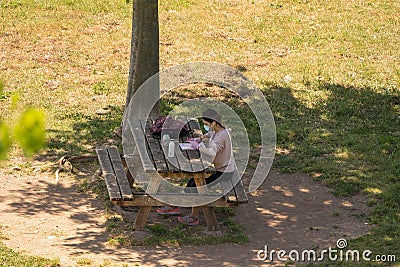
<point>85,133</point>
<point>341,135</point>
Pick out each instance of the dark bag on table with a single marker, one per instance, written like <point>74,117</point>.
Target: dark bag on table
<point>171,126</point>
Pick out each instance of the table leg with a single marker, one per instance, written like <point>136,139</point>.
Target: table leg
<point>209,214</point>
<point>141,218</point>
<point>211,219</point>
<point>143,212</point>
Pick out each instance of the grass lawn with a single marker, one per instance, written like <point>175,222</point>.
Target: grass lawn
<point>9,257</point>
<point>329,70</point>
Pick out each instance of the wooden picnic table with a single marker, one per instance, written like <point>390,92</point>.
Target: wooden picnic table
<point>157,164</point>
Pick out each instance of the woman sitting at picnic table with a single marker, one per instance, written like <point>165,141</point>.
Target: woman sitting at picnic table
<point>220,148</point>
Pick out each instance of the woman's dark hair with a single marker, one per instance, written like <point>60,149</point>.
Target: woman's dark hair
<point>211,115</point>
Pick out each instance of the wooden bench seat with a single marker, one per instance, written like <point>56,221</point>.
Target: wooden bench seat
<point>114,174</point>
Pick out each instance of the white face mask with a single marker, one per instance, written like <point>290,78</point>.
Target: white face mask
<point>207,128</point>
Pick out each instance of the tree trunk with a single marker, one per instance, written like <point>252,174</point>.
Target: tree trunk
<point>144,60</point>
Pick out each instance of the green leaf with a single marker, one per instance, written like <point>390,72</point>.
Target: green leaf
<point>30,131</point>
<point>5,140</point>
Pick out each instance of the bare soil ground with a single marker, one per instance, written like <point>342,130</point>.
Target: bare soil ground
<point>289,211</point>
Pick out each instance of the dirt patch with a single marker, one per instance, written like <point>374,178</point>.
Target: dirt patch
<point>289,211</point>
